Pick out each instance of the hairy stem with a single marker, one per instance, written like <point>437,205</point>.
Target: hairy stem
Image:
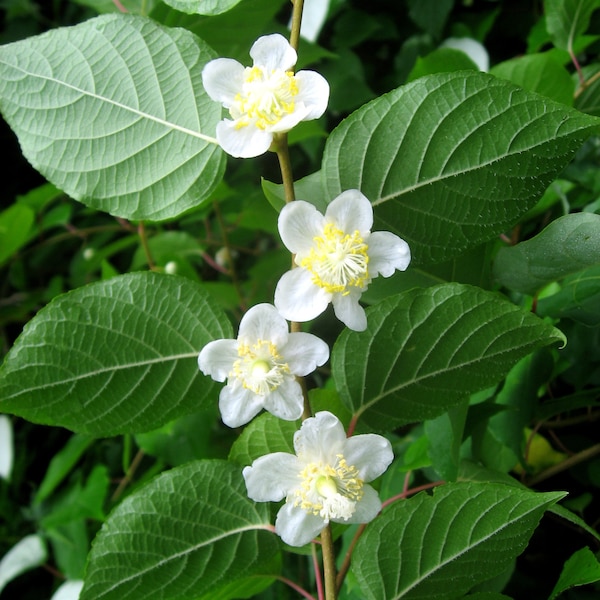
<point>296,22</point>
<point>328,563</point>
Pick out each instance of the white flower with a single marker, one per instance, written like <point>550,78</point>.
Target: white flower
<point>325,481</point>
<point>261,367</point>
<point>337,256</point>
<point>264,99</point>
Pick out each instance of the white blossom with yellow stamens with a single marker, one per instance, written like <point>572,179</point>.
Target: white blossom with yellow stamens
<point>327,479</point>
<point>337,256</point>
<point>261,366</point>
<point>265,99</point>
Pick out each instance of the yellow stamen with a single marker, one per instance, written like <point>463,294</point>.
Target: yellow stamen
<point>329,491</point>
<point>338,260</point>
<point>260,367</point>
<point>266,97</point>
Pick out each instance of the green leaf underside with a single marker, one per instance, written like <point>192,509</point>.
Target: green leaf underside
<point>565,246</point>
<point>113,112</point>
<point>188,533</point>
<point>114,356</point>
<point>452,160</point>
<point>440,546</point>
<point>427,350</point>
<point>202,7</point>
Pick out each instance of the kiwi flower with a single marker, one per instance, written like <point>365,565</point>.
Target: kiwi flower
<point>265,99</point>
<point>325,481</point>
<point>261,366</point>
<point>337,256</point>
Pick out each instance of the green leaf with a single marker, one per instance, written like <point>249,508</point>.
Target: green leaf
<point>445,435</point>
<point>182,440</point>
<point>190,532</point>
<point>263,435</point>
<point>15,223</point>
<point>578,298</point>
<point>538,73</point>
<point>81,501</point>
<point>441,60</point>
<point>230,34</point>
<point>566,245</point>
<point>202,7</point>
<point>308,188</point>
<point>117,356</point>
<point>431,15</point>
<point>566,20</point>
<point>61,464</point>
<point>427,350</point>
<point>582,568</point>
<point>452,160</point>
<point>441,546</point>
<point>113,112</point>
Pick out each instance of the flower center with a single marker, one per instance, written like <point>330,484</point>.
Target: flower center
<point>330,491</point>
<point>338,260</point>
<point>266,97</point>
<point>260,368</point>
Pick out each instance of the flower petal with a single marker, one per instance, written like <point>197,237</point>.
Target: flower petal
<point>320,439</point>
<point>295,526</point>
<point>216,358</point>
<point>273,52</point>
<point>272,476</point>
<point>290,121</point>
<point>351,211</point>
<point>242,141</point>
<point>263,322</point>
<point>313,91</point>
<point>349,311</point>
<point>297,298</point>
<point>238,405</point>
<point>367,508</point>
<point>299,223</point>
<point>387,252</point>
<point>223,79</point>
<point>304,352</point>
<point>370,453</point>
<point>287,401</point>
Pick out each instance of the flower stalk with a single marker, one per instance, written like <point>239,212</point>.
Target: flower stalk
<point>328,563</point>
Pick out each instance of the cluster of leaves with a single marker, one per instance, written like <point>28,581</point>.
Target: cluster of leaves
<point>480,363</point>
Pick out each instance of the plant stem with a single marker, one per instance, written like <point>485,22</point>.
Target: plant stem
<point>328,563</point>
<point>296,22</point>
<point>144,240</point>
<point>285,165</point>
<point>287,178</point>
<point>565,465</point>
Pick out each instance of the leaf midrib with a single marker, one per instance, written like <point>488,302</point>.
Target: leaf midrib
<point>130,109</point>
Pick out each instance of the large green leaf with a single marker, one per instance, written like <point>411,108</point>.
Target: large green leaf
<point>115,356</point>
<point>452,160</point>
<point>426,350</point>
<point>441,546</point>
<point>113,112</point>
<point>566,20</point>
<point>567,245</point>
<point>190,533</point>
